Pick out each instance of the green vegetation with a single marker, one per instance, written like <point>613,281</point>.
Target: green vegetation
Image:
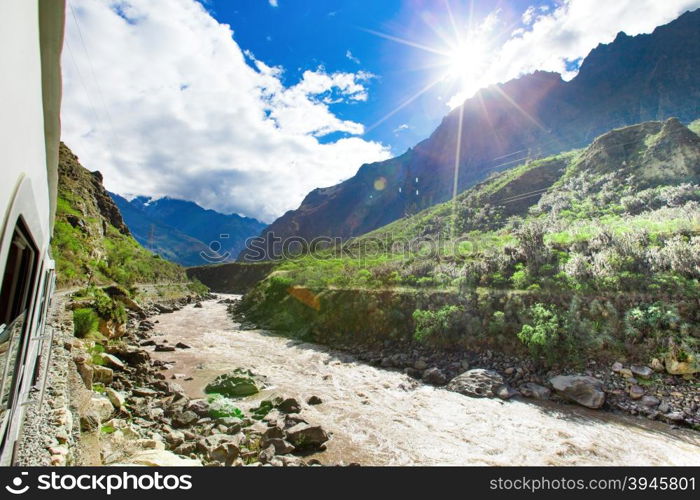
<point>433,324</point>
<point>221,407</point>
<point>593,252</point>
<point>85,321</point>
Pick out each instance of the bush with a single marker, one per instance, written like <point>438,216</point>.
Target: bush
<point>650,320</point>
<point>544,336</point>
<point>85,321</point>
<point>432,324</point>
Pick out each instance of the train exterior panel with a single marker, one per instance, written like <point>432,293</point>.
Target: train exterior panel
<point>31,38</point>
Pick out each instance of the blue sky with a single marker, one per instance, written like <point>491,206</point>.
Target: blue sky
<point>245,106</point>
<point>340,35</point>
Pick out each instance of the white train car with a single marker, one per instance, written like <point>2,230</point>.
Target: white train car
<point>31,38</point>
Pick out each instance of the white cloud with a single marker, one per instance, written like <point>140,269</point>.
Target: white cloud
<point>274,3</point>
<point>177,108</point>
<point>349,55</point>
<point>568,32</point>
<point>401,128</point>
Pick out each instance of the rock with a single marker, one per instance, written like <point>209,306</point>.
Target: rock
<point>688,366</point>
<point>635,392</point>
<point>111,360</point>
<point>641,371</point>
<point>477,383</point>
<point>147,343</point>
<point>586,391</point>
<point>420,365</point>
<point>267,455</point>
<point>505,392</point>
<point>281,446</point>
<point>314,400</point>
<point>434,376</point>
<point>289,405</point>
<point>161,458</point>
<point>144,392</point>
<point>116,398</point>
<point>89,422</point>
<point>164,348</point>
<point>510,371</point>
<point>532,390</point>
<point>102,375</point>
<point>87,374</point>
<point>181,345</point>
<point>200,407</point>
<point>102,407</point>
<point>664,407</point>
<point>238,383</point>
<point>650,401</point>
<point>625,372</point>
<point>617,367</point>
<point>676,416</point>
<point>657,365</point>
<point>185,418</point>
<point>306,437</point>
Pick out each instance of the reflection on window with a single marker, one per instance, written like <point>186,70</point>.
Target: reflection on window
<point>10,342</point>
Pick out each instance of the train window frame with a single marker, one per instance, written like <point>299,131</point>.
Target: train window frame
<point>17,290</point>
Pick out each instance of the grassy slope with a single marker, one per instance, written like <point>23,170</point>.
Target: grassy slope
<point>604,238</point>
<point>87,246</point>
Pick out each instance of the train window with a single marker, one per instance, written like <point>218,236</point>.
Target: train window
<point>14,303</point>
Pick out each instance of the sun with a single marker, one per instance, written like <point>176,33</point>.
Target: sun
<point>465,61</point>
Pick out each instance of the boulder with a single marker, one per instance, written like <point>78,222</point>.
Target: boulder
<point>87,373</point>
<point>314,400</point>
<point>164,348</point>
<point>506,392</point>
<point>584,390</point>
<point>185,418</point>
<point>650,401</point>
<point>182,345</point>
<point>434,376</point>
<point>688,365</point>
<point>641,371</point>
<point>420,365</point>
<point>89,422</point>
<point>536,391</point>
<point>112,361</point>
<point>477,383</point>
<point>635,391</point>
<point>102,407</point>
<point>306,437</point>
<point>289,405</point>
<point>236,384</point>
<point>102,374</point>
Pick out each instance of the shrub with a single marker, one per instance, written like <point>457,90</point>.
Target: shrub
<point>544,336</point>
<point>432,324</point>
<point>645,321</point>
<point>85,321</point>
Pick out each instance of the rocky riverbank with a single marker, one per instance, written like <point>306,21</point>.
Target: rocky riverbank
<point>109,403</point>
<point>646,391</point>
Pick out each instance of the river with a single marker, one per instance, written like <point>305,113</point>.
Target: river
<point>383,417</point>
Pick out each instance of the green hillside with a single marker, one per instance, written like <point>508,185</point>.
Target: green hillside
<point>593,250</point>
<point>91,243</point>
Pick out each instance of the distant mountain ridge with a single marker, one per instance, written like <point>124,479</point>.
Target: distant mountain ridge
<point>184,232</point>
<point>631,80</point>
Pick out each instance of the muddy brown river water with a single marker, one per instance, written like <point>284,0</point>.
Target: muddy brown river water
<point>382,417</point>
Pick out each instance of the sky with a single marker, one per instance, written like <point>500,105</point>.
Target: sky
<point>244,106</point>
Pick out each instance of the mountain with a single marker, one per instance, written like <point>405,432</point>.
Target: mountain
<point>91,242</point>
<point>631,80</point>
<point>182,231</point>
